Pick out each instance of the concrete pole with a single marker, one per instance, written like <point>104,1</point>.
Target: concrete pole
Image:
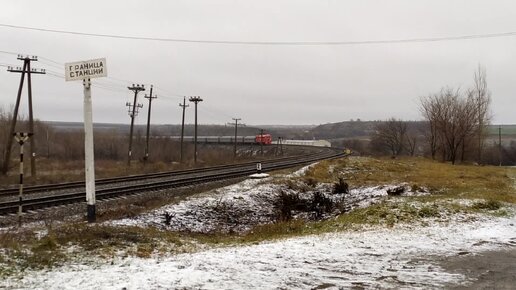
<point>88,152</point>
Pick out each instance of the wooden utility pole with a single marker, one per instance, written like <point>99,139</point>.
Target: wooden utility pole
<point>26,69</point>
<point>236,128</point>
<point>184,105</point>
<point>279,147</point>
<point>196,100</point>
<point>150,97</point>
<point>261,142</point>
<point>133,111</point>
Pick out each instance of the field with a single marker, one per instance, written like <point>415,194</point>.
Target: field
<point>506,129</point>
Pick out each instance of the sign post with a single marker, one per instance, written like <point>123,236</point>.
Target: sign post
<point>85,70</point>
<point>21,138</point>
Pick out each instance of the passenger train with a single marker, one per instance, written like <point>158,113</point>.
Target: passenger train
<point>265,139</point>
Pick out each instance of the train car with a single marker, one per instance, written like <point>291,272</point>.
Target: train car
<point>265,139</point>
<point>316,143</point>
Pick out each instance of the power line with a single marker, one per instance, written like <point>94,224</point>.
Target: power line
<point>289,43</point>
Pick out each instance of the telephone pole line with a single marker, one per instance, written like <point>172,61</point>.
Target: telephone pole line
<point>150,97</point>
<point>184,106</point>
<point>236,128</point>
<point>25,70</point>
<point>133,111</point>
<point>196,100</point>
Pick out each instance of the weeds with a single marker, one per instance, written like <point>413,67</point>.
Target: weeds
<point>487,205</point>
<point>25,251</point>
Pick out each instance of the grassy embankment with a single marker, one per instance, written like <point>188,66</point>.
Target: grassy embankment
<point>488,188</point>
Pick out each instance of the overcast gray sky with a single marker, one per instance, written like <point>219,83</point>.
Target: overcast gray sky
<point>262,84</point>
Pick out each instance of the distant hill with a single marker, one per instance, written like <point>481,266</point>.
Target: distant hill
<point>346,129</point>
<point>284,131</point>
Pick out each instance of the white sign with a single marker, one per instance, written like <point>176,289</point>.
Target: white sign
<point>81,70</point>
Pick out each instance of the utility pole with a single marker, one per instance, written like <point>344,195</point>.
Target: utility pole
<point>236,128</point>
<point>133,111</point>
<point>150,97</point>
<point>196,100</point>
<point>278,146</point>
<point>184,106</point>
<point>26,69</point>
<point>261,142</point>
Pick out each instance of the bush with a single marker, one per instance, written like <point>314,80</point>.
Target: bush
<point>488,205</point>
<point>320,204</point>
<point>427,211</point>
<point>312,182</point>
<point>286,204</point>
<point>340,187</point>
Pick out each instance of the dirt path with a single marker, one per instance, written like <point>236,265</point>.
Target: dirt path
<point>487,270</point>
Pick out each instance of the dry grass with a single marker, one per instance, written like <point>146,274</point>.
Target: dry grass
<point>24,250</point>
<point>463,181</point>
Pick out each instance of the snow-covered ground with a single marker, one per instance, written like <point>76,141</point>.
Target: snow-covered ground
<point>373,257</point>
<point>399,257</point>
<point>239,207</point>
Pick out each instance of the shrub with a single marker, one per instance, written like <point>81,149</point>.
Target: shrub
<point>488,205</point>
<point>320,204</point>
<point>168,218</point>
<point>340,187</point>
<point>428,211</point>
<point>286,203</point>
<point>312,182</point>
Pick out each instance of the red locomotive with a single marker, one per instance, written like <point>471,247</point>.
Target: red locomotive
<point>265,139</point>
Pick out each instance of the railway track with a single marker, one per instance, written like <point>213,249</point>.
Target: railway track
<point>156,181</point>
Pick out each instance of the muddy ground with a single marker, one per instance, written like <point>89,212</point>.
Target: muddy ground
<point>486,270</point>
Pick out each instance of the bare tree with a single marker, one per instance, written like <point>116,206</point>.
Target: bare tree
<point>391,135</point>
<point>481,96</point>
<point>430,108</point>
<point>4,131</point>
<point>452,120</point>
<point>411,138</point>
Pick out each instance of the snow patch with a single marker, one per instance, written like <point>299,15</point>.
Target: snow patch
<point>240,207</point>
<point>401,257</point>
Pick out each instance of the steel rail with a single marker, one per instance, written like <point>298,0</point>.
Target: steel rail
<point>119,179</point>
<point>179,181</point>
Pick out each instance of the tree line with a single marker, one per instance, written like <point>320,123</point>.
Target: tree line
<point>454,127</point>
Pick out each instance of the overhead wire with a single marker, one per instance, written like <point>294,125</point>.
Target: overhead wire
<point>283,43</point>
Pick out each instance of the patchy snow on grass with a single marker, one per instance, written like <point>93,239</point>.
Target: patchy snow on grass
<point>239,207</point>
<point>400,257</point>
<point>302,171</point>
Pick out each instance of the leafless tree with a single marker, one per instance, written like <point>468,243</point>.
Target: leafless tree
<point>411,139</point>
<point>4,131</point>
<point>391,135</point>
<point>481,96</point>
<point>430,109</point>
<point>452,120</point>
